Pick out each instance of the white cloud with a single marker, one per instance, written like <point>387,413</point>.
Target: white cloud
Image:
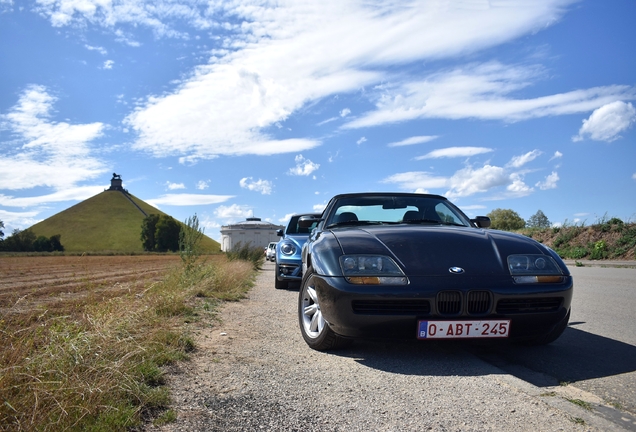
<point>174,186</point>
<point>519,161</point>
<point>453,152</point>
<point>262,186</point>
<point>634,176</point>
<point>225,107</point>
<point>469,181</point>
<point>70,194</point>
<point>464,182</point>
<point>550,182</point>
<point>318,208</point>
<point>202,185</point>
<point>99,49</point>
<point>233,211</point>
<point>285,219</point>
<point>557,155</point>
<point>17,220</point>
<point>345,112</point>
<point>48,153</point>
<point>108,64</point>
<point>361,140</point>
<point>417,181</point>
<point>481,91</point>
<point>413,140</point>
<point>304,167</point>
<point>518,188</point>
<point>607,122</point>
<point>188,199</point>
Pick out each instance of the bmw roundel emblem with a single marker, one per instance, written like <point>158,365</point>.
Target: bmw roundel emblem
<point>456,270</point>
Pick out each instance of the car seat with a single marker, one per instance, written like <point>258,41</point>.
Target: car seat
<point>346,217</point>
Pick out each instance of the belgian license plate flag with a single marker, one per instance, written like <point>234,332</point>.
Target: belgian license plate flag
<point>463,329</point>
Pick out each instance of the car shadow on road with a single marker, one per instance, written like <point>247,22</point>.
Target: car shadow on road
<point>576,356</point>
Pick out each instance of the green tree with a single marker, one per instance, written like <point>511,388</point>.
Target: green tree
<point>148,229</point>
<point>506,219</point>
<point>19,241</point>
<point>56,244</point>
<point>538,220</point>
<point>190,242</point>
<point>42,244</point>
<point>167,234</point>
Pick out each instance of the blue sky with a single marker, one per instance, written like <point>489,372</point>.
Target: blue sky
<point>233,109</point>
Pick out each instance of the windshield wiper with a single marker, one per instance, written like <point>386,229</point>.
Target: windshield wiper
<point>430,221</point>
<point>353,223</point>
<point>419,221</point>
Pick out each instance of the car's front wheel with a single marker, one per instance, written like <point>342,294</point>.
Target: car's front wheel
<point>314,328</point>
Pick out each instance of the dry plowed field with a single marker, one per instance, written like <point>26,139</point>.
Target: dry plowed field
<point>29,283</point>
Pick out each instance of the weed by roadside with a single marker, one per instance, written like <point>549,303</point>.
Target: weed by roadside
<point>247,252</point>
<point>607,239</point>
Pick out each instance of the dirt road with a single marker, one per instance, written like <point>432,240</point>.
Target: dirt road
<point>254,372</point>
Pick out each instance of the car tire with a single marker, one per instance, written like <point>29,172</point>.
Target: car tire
<point>553,334</point>
<point>278,284</point>
<point>315,330</point>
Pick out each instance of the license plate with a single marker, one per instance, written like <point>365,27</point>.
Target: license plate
<point>463,329</point>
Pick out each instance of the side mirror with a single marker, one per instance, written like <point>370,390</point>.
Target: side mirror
<point>481,221</point>
<point>279,233</point>
<point>308,221</point>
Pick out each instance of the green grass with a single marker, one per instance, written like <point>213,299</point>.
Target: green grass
<point>106,222</point>
<point>581,403</point>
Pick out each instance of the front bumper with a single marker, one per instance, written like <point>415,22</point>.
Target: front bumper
<point>288,270</point>
<point>393,311</point>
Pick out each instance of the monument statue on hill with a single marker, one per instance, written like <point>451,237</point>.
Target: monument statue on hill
<point>116,183</point>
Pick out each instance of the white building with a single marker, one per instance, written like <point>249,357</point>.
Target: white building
<point>252,231</point>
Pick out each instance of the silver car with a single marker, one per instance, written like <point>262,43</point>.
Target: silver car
<point>270,253</point>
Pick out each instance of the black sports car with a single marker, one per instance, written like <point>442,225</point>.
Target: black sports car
<point>414,265</point>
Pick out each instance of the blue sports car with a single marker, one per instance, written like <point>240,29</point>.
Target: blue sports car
<point>288,262</point>
<point>415,266</point>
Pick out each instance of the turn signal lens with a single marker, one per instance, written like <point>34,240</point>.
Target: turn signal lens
<point>369,280</point>
<point>537,279</point>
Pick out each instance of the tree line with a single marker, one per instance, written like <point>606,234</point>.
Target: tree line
<point>509,220</point>
<point>27,241</point>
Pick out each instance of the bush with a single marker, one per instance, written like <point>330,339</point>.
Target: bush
<point>247,252</point>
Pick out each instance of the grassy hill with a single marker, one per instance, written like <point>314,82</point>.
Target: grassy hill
<point>609,239</point>
<point>106,222</point>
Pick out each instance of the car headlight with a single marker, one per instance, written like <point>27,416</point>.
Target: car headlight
<point>288,248</point>
<point>527,269</point>
<point>371,270</point>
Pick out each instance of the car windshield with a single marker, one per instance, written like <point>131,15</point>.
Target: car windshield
<point>293,228</point>
<point>364,210</point>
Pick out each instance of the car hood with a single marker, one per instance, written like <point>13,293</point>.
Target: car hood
<point>299,239</point>
<point>427,250</point>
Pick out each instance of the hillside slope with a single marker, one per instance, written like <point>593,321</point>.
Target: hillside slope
<point>610,239</point>
<point>106,222</point>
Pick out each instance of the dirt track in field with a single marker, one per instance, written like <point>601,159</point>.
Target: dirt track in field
<point>27,283</point>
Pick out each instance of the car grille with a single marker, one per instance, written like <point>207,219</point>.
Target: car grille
<point>450,302</point>
<point>508,306</point>
<point>391,307</point>
<point>478,302</point>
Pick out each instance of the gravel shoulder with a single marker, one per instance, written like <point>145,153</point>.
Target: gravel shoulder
<point>253,371</point>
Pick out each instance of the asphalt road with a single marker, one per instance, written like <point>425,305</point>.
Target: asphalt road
<point>252,371</point>
<point>596,353</point>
